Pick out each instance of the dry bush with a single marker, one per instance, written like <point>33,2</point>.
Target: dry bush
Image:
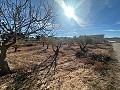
<point>79,54</point>
<point>100,57</point>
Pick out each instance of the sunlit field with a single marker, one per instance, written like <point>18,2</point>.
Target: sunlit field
<point>59,44</point>
<point>71,72</point>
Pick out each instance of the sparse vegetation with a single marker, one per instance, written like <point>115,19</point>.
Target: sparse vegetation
<point>79,54</point>
<point>46,62</point>
<point>100,57</point>
<point>52,67</point>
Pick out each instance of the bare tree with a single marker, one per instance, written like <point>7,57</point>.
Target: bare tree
<point>20,18</point>
<point>50,40</point>
<point>83,41</point>
<point>56,45</point>
<point>69,41</point>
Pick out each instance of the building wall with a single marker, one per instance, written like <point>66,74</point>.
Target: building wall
<point>98,36</point>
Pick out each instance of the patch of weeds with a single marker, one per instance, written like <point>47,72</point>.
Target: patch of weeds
<point>100,57</point>
<point>79,54</point>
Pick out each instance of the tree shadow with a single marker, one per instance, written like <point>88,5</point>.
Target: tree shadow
<point>39,76</point>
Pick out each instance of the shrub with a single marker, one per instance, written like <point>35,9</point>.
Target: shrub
<point>79,54</point>
<point>100,57</point>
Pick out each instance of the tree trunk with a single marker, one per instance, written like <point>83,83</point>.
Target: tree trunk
<point>43,44</point>
<point>4,68</point>
<point>15,48</point>
<point>47,46</point>
<point>83,47</point>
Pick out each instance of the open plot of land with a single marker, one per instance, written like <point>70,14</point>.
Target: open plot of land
<point>71,73</point>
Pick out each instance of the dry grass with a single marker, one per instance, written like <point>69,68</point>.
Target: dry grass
<point>71,73</point>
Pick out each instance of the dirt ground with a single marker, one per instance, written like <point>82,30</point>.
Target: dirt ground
<point>116,47</point>
<point>71,73</point>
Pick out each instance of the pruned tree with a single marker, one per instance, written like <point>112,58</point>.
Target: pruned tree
<point>21,18</point>
<point>56,45</point>
<point>43,39</point>
<point>83,41</point>
<point>50,40</point>
<point>69,41</point>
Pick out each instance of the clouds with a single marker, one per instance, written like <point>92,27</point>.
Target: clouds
<point>118,23</point>
<point>112,30</point>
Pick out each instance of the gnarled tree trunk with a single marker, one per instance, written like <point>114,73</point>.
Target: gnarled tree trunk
<point>83,47</point>
<point>15,48</point>
<point>4,67</point>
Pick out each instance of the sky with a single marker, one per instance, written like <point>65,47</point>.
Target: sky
<point>95,16</point>
<point>91,17</point>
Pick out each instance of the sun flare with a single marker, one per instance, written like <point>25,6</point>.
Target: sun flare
<point>69,11</point>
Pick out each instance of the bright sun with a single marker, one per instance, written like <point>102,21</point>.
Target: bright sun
<point>69,11</point>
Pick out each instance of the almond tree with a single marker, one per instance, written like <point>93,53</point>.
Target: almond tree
<point>21,18</point>
<point>69,41</point>
<point>50,40</point>
<point>83,41</point>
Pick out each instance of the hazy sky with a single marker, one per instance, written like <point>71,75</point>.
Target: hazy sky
<point>100,17</point>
